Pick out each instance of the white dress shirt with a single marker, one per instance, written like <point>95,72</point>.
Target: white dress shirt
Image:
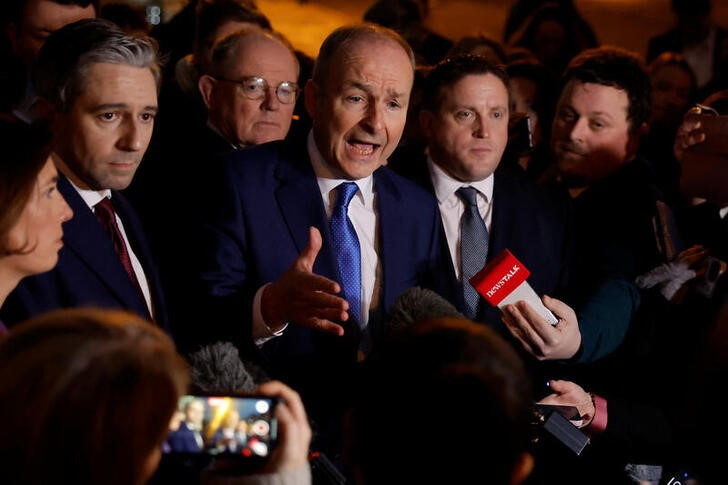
<point>363,216</point>
<point>93,197</point>
<point>452,206</point>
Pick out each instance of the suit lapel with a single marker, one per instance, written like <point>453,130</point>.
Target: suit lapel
<point>135,234</point>
<point>391,243</point>
<point>83,236</point>
<point>503,220</point>
<point>299,200</point>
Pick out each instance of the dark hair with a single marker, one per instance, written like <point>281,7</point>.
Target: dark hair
<point>60,73</point>
<point>211,14</point>
<point>545,102</point>
<point>617,68</point>
<point>449,373</point>
<point>690,8</point>
<point>91,394</point>
<point>16,7</point>
<point>397,15</point>
<point>678,60</point>
<point>453,69</point>
<point>468,44</point>
<point>343,37</point>
<point>26,150</point>
<point>126,17</point>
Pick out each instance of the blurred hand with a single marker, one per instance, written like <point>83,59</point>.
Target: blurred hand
<point>688,133</point>
<point>567,393</point>
<point>540,338</point>
<point>294,432</point>
<point>304,298</point>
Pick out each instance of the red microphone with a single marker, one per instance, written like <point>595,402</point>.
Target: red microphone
<point>503,281</point>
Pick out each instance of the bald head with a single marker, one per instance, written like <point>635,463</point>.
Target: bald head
<point>250,90</point>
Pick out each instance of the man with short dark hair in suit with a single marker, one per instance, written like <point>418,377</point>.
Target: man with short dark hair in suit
<point>465,116</point>
<point>312,241</point>
<point>99,87</point>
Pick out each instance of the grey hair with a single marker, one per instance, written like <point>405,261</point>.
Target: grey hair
<point>69,53</point>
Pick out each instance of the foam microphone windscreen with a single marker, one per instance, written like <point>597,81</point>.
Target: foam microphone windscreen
<point>217,369</point>
<point>417,304</point>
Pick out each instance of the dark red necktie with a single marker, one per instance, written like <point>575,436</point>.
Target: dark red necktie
<point>105,214</point>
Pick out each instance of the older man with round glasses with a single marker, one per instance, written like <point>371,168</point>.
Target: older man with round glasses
<point>250,91</point>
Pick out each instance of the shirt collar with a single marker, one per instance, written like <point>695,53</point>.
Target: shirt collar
<point>327,179</point>
<point>445,186</point>
<point>91,197</point>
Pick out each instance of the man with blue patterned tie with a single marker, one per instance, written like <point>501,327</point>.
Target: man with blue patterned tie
<point>311,242</point>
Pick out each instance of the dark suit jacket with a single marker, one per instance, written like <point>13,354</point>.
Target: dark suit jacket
<point>526,221</point>
<point>268,198</point>
<point>89,272</point>
<point>183,440</point>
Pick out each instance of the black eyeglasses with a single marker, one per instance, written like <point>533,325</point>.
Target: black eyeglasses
<point>255,87</point>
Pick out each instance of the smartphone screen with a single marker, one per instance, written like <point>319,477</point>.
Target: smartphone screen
<point>223,425</point>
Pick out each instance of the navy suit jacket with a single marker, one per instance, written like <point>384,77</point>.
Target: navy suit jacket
<point>183,440</point>
<point>526,221</point>
<point>267,200</point>
<point>89,272</point>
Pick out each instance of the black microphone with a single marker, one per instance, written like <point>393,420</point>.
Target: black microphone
<point>217,369</point>
<point>417,304</point>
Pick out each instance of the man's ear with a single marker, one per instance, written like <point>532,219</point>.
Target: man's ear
<point>311,97</point>
<point>206,85</point>
<point>426,118</point>
<point>634,139</point>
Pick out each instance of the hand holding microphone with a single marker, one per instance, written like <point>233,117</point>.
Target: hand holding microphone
<point>533,322</point>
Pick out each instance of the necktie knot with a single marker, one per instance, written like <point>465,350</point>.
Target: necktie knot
<point>344,193</point>
<point>104,210</point>
<point>469,195</point>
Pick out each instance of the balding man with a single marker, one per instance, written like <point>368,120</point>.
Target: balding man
<point>314,240</point>
<point>250,90</point>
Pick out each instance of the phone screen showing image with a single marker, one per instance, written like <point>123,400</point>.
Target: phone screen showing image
<point>223,426</point>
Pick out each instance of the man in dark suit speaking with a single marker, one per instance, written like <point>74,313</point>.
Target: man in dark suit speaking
<point>313,241</point>
<point>99,87</point>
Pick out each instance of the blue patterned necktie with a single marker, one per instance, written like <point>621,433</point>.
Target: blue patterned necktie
<point>473,247</point>
<point>345,244</point>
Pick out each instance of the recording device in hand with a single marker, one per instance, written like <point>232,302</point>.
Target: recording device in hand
<point>503,281</point>
<point>554,423</point>
<point>237,428</point>
<point>704,166</point>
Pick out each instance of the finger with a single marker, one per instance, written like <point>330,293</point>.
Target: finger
<point>323,325</point>
<point>307,257</point>
<point>558,307</point>
<point>312,282</point>
<point>537,329</point>
<point>303,298</point>
<point>520,329</point>
<point>559,387</point>
<point>293,400</point>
